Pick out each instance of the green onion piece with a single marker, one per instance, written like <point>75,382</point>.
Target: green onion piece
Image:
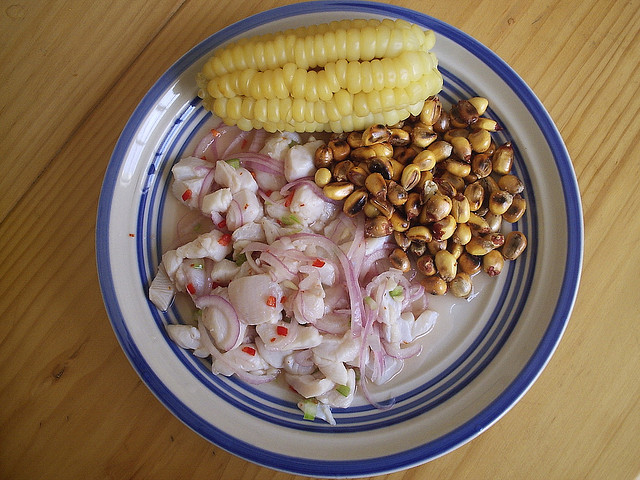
<point>293,143</point>
<point>309,408</point>
<point>234,162</point>
<point>396,292</point>
<point>290,219</point>
<point>241,258</point>
<point>343,390</point>
<point>371,303</point>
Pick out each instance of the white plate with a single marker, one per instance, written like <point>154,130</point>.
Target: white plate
<point>483,355</point>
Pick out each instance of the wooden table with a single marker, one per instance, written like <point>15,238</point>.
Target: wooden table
<point>72,407</point>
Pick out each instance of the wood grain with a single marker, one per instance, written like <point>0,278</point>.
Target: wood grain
<point>73,407</point>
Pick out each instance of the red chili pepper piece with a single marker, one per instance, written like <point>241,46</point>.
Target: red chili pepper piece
<point>271,301</point>
<point>187,194</point>
<point>289,199</point>
<point>225,240</point>
<point>249,350</point>
<point>318,263</point>
<point>222,224</point>
<point>282,330</point>
<point>191,289</point>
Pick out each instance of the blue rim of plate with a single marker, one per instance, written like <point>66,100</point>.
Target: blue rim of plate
<point>243,395</point>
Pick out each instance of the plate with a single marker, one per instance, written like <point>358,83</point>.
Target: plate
<point>480,359</point>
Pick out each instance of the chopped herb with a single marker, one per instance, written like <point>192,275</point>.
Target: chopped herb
<point>241,258</point>
<point>290,219</point>
<point>396,292</point>
<point>234,162</point>
<point>309,408</point>
<point>371,303</point>
<point>293,143</point>
<point>343,390</point>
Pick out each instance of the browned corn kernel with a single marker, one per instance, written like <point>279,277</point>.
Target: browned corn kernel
<point>456,182</point>
<point>446,186</point>
<point>422,136</point>
<point>410,176</point>
<point>472,177</point>
<point>480,140</point>
<point>383,205</point>
<point>460,209</point>
<point>514,244</point>
<point>455,132</point>
<point>436,208</point>
<point>464,113</point>
<point>405,155</point>
<point>376,185</point>
<point>340,149</point>
<point>434,285</point>
<point>487,124</point>
<point>383,149</point>
<point>462,235</point>
<point>412,206</point>
<point>361,154</point>
<point>418,248</point>
<point>401,240</point>
<point>443,229</point>
<point>425,160</point>
<point>443,123</point>
<point>322,177</point>
<point>470,264</point>
<point>511,184</point>
<point>492,263</point>
<point>426,187</point>
<point>461,285</point>
<point>397,169</point>
<point>396,194</point>
<point>499,202</point>
<point>355,202</point>
<point>323,157</point>
<point>480,245</point>
<point>426,265</point>
<point>478,225</point>
<point>400,260</point>
<point>434,246</point>
<point>419,233</point>
<point>341,169</point>
<point>516,210</point>
<point>475,194</point>
<point>399,137</point>
<point>379,226</point>
<point>399,222</point>
<point>494,221</point>
<point>503,159</point>
<point>480,103</point>
<point>357,175</point>
<point>496,238</point>
<point>482,211</point>
<point>381,165</point>
<point>461,148</point>
<point>375,134</point>
<point>446,264</point>
<point>431,110</point>
<point>441,149</point>
<point>490,185</point>
<point>491,149</point>
<point>457,167</point>
<point>354,139</point>
<point>455,248</point>
<point>370,210</point>
<point>481,165</point>
<point>338,190</point>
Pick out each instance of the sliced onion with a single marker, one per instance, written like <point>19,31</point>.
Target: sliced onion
<point>396,351</point>
<point>216,301</point>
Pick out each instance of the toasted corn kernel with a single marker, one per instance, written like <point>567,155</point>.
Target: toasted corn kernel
<point>427,189</point>
<point>434,285</point>
<point>340,149</point>
<point>381,165</point>
<point>460,209</point>
<point>418,248</point>
<point>383,205</point>
<point>341,169</point>
<point>425,160</point>
<point>478,224</point>
<point>357,175</point>
<point>375,134</point>
<point>436,208</point>
<point>480,103</point>
<point>446,264</point>
<point>383,149</point>
<point>361,154</point>
<point>461,148</point>
<point>379,226</point>
<point>443,229</point>
<point>455,248</point>
<point>445,186</point>
<point>441,149</point>
<point>455,132</point>
<point>400,260</point>
<point>434,246</point>
<point>412,206</point>
<point>479,246</point>
<point>480,140</point>
<point>487,124</point>
<point>338,190</point>
<point>456,182</point>
<point>499,202</point>
<point>322,177</point>
<point>355,202</point>
<point>481,165</point>
<point>354,139</point>
<point>405,155</point>
<point>494,221</point>
<point>464,113</point>
<point>492,263</point>
<point>516,210</point>
<point>399,222</point>
<point>397,169</point>
<point>401,240</point>
<point>323,157</point>
<point>376,185</point>
<point>422,136</point>
<point>470,264</point>
<point>396,193</point>
<point>426,179</point>
<point>514,244</point>
<point>419,233</point>
<point>503,159</point>
<point>426,265</point>
<point>461,285</point>
<point>511,184</point>
<point>490,185</point>
<point>443,123</point>
<point>431,110</point>
<point>462,235</point>
<point>410,176</point>
<point>399,137</point>
<point>457,167</point>
<point>370,210</point>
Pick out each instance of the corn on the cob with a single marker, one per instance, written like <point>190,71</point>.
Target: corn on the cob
<point>339,76</point>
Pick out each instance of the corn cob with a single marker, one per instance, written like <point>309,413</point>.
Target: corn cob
<point>338,76</point>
